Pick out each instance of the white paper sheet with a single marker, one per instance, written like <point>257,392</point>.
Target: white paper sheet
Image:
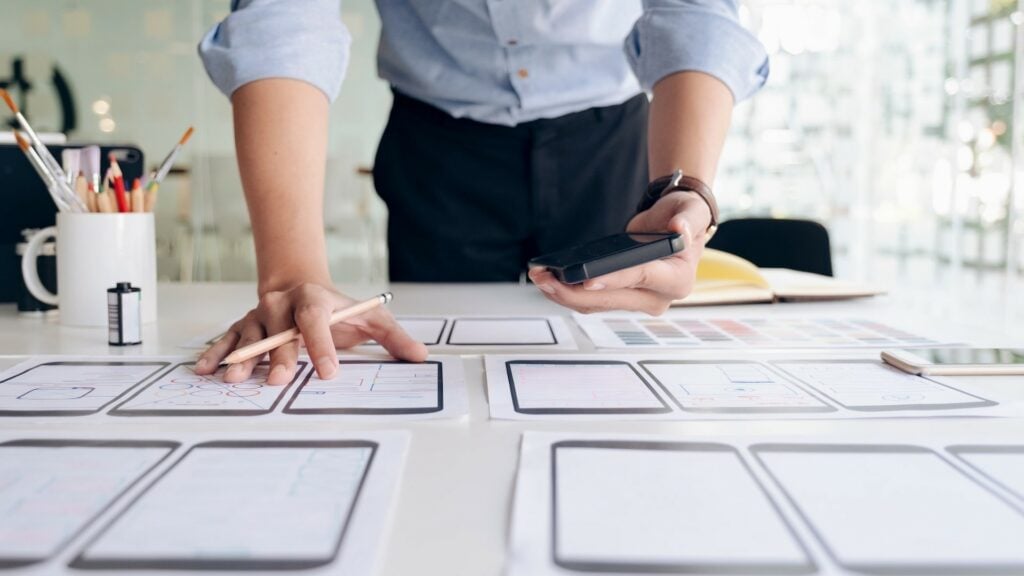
<point>588,503</point>
<point>680,329</point>
<point>316,502</point>
<point>54,386</point>
<point>365,388</point>
<point>1004,466</point>
<point>451,333</point>
<point>876,386</point>
<point>635,387</point>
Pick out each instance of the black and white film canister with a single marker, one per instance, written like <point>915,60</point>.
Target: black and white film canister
<point>124,314</point>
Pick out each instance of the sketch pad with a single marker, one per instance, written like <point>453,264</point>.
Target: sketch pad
<point>686,504</point>
<point>651,387</point>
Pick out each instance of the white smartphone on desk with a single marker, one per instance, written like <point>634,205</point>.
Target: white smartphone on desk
<point>957,361</point>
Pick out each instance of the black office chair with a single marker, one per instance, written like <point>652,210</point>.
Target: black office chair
<point>777,243</point>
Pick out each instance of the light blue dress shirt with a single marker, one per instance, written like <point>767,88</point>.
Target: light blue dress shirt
<point>495,61</point>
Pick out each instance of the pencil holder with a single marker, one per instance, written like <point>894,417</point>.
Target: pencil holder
<point>94,253</point>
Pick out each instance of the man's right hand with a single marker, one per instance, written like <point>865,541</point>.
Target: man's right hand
<point>307,307</point>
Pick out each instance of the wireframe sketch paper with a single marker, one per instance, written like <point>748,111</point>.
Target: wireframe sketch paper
<point>363,388</point>
<point>182,392</point>
<point>634,387</point>
<point>680,329</point>
<point>317,503</point>
<point>374,387</point>
<point>52,386</point>
<point>450,333</point>
<point>706,505</point>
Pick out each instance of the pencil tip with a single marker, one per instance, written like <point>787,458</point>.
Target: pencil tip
<point>186,136</point>
<point>10,101</point>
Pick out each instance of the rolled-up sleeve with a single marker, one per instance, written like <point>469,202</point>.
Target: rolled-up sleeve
<point>278,39</point>
<point>693,35</point>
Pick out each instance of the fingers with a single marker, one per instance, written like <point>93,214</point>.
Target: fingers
<point>312,317</point>
<point>251,331</point>
<point>381,326</point>
<point>211,358</point>
<point>671,277</point>
<point>274,313</point>
<point>589,301</point>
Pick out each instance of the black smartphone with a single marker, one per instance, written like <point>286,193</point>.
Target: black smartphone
<point>608,254</point>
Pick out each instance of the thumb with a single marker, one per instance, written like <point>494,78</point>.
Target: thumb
<point>681,225</point>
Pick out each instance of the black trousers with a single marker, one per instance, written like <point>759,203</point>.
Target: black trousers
<point>473,202</point>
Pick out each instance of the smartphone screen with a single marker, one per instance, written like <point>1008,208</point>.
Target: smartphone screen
<point>609,254</point>
<point>599,248</point>
<point>968,356</point>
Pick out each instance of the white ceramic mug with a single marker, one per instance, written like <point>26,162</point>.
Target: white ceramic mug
<point>95,252</point>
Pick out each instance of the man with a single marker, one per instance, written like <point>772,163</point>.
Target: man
<point>519,127</point>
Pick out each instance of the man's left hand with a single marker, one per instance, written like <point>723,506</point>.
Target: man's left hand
<point>649,287</point>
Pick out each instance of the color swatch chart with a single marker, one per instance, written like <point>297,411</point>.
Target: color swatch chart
<point>688,332</point>
<point>691,505</point>
<point>590,387</point>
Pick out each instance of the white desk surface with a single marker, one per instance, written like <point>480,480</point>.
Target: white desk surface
<point>452,515</point>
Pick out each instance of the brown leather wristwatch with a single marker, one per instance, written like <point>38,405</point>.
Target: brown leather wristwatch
<point>677,181</point>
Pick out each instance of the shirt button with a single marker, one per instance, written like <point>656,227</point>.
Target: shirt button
<point>512,42</point>
<point>523,73</point>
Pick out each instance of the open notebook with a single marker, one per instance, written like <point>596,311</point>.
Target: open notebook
<point>724,278</point>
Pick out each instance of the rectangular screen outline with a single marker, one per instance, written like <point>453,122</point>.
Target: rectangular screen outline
<point>160,364</point>
<point>15,562</point>
<point>809,567</point>
<point>455,321</point>
<point>665,409</point>
<point>440,334</point>
<point>118,411</point>
<point>958,449</point>
<point>370,411</point>
<point>789,382</point>
<point>982,403</point>
<point>881,569</point>
<point>80,562</point>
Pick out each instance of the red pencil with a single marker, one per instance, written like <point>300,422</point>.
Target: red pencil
<point>119,191</point>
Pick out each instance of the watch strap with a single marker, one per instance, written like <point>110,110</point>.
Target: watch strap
<point>679,182</point>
